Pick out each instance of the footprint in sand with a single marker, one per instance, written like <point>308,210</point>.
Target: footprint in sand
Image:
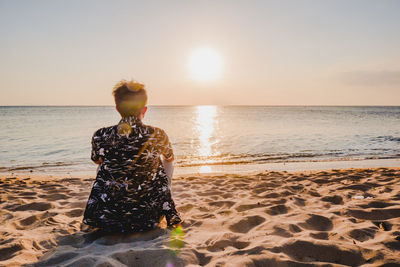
<point>262,187</point>
<point>299,201</point>
<point>50,221</point>
<point>27,193</point>
<point>40,206</point>
<point>74,213</point>
<point>245,207</point>
<point>9,251</point>
<point>375,214</point>
<point>376,204</point>
<point>56,196</point>
<point>220,245</point>
<point>385,226</point>
<point>317,223</point>
<point>29,220</point>
<point>246,224</point>
<point>337,200</point>
<point>320,235</point>
<point>276,210</point>
<point>281,232</point>
<point>270,195</point>
<point>361,187</point>
<point>362,234</point>
<point>221,204</point>
<point>294,228</point>
<point>305,250</point>
<point>279,201</point>
<point>393,245</point>
<point>313,193</point>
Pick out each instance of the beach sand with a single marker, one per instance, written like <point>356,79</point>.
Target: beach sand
<point>347,217</point>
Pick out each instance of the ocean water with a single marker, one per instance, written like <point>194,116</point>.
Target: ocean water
<point>204,138</point>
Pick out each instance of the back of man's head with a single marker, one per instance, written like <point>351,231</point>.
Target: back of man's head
<point>130,98</point>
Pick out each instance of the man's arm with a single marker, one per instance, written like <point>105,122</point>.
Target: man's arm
<point>97,151</point>
<point>166,155</point>
<point>168,167</point>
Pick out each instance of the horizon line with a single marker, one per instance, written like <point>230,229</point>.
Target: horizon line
<point>224,105</point>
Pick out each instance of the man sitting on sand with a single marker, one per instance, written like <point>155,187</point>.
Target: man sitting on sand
<point>131,191</point>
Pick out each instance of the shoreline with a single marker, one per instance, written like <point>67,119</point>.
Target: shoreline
<point>226,169</point>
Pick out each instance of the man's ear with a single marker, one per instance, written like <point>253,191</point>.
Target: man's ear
<point>142,113</point>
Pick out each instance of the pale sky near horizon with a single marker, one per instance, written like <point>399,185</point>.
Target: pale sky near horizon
<point>272,52</point>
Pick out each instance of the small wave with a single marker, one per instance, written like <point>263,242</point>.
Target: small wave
<point>285,161</point>
<point>33,167</point>
<point>384,157</point>
<point>56,164</point>
<point>55,152</point>
<point>296,157</point>
<point>387,138</point>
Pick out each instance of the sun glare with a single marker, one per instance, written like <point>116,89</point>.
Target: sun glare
<point>205,64</point>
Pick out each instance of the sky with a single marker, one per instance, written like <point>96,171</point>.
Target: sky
<point>341,52</point>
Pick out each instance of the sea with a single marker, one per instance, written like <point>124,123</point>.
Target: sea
<point>208,139</point>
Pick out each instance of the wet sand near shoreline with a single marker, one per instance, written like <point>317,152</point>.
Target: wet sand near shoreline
<point>346,217</point>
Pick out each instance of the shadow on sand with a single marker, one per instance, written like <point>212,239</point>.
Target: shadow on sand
<point>93,247</point>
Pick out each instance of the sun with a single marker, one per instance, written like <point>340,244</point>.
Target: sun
<point>205,64</point>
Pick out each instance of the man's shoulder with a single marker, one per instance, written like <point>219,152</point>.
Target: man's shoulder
<point>155,130</point>
<point>104,131</point>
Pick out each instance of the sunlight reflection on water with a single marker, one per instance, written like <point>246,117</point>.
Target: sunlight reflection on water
<point>205,125</point>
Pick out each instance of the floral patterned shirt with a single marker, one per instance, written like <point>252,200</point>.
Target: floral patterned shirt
<point>131,191</point>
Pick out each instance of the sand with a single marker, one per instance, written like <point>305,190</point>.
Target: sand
<point>345,217</point>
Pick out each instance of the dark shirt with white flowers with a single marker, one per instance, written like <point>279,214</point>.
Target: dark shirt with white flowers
<point>131,191</point>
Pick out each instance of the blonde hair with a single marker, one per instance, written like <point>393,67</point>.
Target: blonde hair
<point>130,97</point>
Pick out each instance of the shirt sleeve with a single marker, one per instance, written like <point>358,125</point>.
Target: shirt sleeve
<point>96,146</point>
<point>166,147</point>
